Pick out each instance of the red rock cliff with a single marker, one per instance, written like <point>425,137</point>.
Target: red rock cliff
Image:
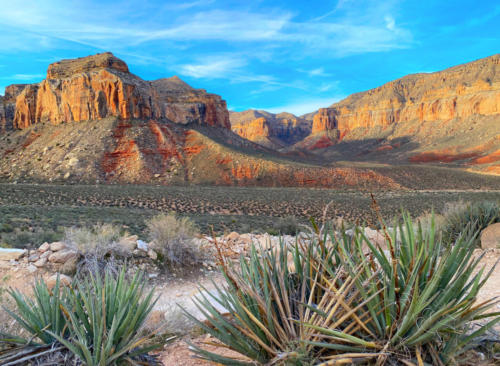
<point>259,126</point>
<point>99,86</point>
<point>455,93</point>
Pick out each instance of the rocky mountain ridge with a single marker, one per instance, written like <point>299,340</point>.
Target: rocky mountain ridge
<point>91,120</point>
<point>100,86</point>
<point>268,129</point>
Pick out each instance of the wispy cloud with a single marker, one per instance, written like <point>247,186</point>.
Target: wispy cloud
<point>213,68</point>
<point>344,35</point>
<point>23,77</point>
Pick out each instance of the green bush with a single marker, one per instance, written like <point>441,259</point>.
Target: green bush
<point>339,299</point>
<point>172,237</point>
<point>476,216</point>
<point>96,321</point>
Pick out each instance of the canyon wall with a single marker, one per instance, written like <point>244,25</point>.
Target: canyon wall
<point>100,86</point>
<point>456,93</point>
<point>273,130</point>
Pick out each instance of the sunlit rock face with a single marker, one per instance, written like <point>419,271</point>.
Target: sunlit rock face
<point>100,86</point>
<point>268,129</point>
<point>459,92</point>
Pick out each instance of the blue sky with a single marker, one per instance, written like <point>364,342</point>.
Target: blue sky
<point>291,56</point>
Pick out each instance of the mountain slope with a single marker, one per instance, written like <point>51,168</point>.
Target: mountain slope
<point>92,121</point>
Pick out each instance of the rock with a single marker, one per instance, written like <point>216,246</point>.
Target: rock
<point>246,239</point>
<point>63,280</point>
<point>490,237</point>
<point>152,254</point>
<point>101,86</point>
<point>7,254</point>
<point>34,257</point>
<point>376,237</point>
<point>129,243</point>
<point>40,263</point>
<point>265,128</point>
<point>234,236</point>
<point>57,245</point>
<point>46,254</point>
<point>62,256</point>
<point>44,247</point>
<point>142,245</point>
<point>458,93</point>
<point>70,266</point>
<point>31,268</point>
<point>139,253</point>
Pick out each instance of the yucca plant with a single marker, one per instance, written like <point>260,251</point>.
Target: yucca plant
<point>275,300</point>
<point>95,321</point>
<point>37,317</point>
<point>105,315</point>
<point>425,300</point>
<point>340,299</point>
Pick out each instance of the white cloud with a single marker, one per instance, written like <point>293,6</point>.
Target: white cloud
<point>213,69</point>
<point>304,106</point>
<point>2,90</point>
<point>106,27</point>
<point>390,23</point>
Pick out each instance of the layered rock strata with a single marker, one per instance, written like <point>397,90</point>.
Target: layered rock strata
<point>268,129</point>
<point>100,86</point>
<point>459,92</point>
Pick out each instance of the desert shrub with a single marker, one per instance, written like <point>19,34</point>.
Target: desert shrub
<point>338,299</point>
<point>172,237</point>
<point>476,216</point>
<point>17,238</point>
<point>96,321</point>
<point>98,245</point>
<point>286,225</point>
<point>429,219</point>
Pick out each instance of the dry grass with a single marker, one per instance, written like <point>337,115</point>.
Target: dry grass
<point>172,237</point>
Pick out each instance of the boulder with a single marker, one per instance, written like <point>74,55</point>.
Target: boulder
<point>7,254</point>
<point>376,237</point>
<point>31,268</point>
<point>152,254</point>
<point>34,257</point>
<point>57,245</point>
<point>246,238</point>
<point>70,266</point>
<point>46,254</point>
<point>128,243</point>
<point>234,236</point>
<point>490,237</point>
<point>44,247</point>
<point>142,245</point>
<point>62,256</point>
<point>40,263</point>
<point>63,280</point>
